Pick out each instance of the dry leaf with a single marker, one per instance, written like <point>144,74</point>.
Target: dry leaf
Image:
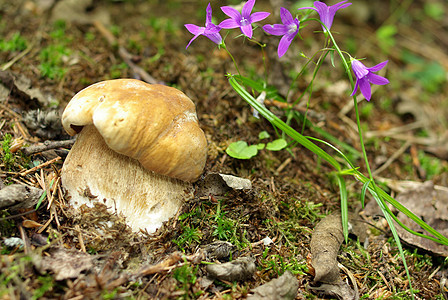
<point>238,269</point>
<point>65,263</point>
<point>283,288</point>
<point>431,205</point>
<point>31,224</point>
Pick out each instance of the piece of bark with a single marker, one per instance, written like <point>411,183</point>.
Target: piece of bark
<point>238,269</point>
<point>283,288</point>
<point>325,243</point>
<point>17,196</point>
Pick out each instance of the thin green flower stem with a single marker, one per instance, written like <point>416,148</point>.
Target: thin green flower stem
<point>263,55</point>
<point>310,86</point>
<point>223,45</point>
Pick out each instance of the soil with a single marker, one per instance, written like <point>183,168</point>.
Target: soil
<point>72,255</point>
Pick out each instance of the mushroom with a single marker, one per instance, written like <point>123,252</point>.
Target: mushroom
<point>138,150</point>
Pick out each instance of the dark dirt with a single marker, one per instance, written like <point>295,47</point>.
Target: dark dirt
<point>292,190</point>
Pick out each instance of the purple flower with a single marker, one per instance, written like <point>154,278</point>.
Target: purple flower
<point>210,30</point>
<point>288,29</point>
<point>244,19</point>
<point>365,77</point>
<point>326,13</point>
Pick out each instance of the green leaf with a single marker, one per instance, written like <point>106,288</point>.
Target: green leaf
<point>363,192</point>
<point>260,146</point>
<point>344,205</point>
<point>241,150</point>
<point>263,135</point>
<point>276,145</point>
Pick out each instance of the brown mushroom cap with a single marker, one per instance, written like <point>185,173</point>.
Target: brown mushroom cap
<point>154,124</point>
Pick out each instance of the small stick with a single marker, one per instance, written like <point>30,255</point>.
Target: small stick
<point>40,166</point>
<point>48,145</point>
<point>50,202</point>
<point>81,241</point>
<point>391,159</point>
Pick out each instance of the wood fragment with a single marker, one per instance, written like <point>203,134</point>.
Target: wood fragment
<point>47,145</point>
<point>17,196</point>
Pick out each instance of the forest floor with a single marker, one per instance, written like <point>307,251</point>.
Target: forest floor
<point>50,50</point>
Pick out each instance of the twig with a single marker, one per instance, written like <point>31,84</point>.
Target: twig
<point>169,263</point>
<point>18,57</point>
<point>48,145</point>
<point>81,241</point>
<point>391,159</point>
<point>40,166</point>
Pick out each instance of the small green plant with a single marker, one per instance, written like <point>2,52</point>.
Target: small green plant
<point>189,236</point>
<point>13,44</point>
<point>186,276</point>
<point>241,150</point>
<point>54,57</point>
<point>47,283</point>
<point>7,157</point>
<point>280,264</point>
<point>228,229</point>
<point>52,61</point>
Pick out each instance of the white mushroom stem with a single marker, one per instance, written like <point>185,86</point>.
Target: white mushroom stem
<point>93,172</point>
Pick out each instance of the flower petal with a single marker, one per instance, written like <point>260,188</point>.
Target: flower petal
<point>229,24</point>
<point>377,79</point>
<point>276,29</point>
<point>283,46</point>
<point>208,17</point>
<point>212,28</point>
<point>286,16</point>
<point>338,6</point>
<point>247,9</point>
<point>364,86</point>
<point>258,16</point>
<point>247,30</point>
<point>192,40</point>
<point>321,7</point>
<point>356,87</point>
<point>378,66</point>
<point>359,69</point>
<point>194,29</point>
<point>231,12</point>
<point>214,37</point>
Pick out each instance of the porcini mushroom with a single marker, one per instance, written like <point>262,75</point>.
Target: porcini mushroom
<point>138,150</point>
